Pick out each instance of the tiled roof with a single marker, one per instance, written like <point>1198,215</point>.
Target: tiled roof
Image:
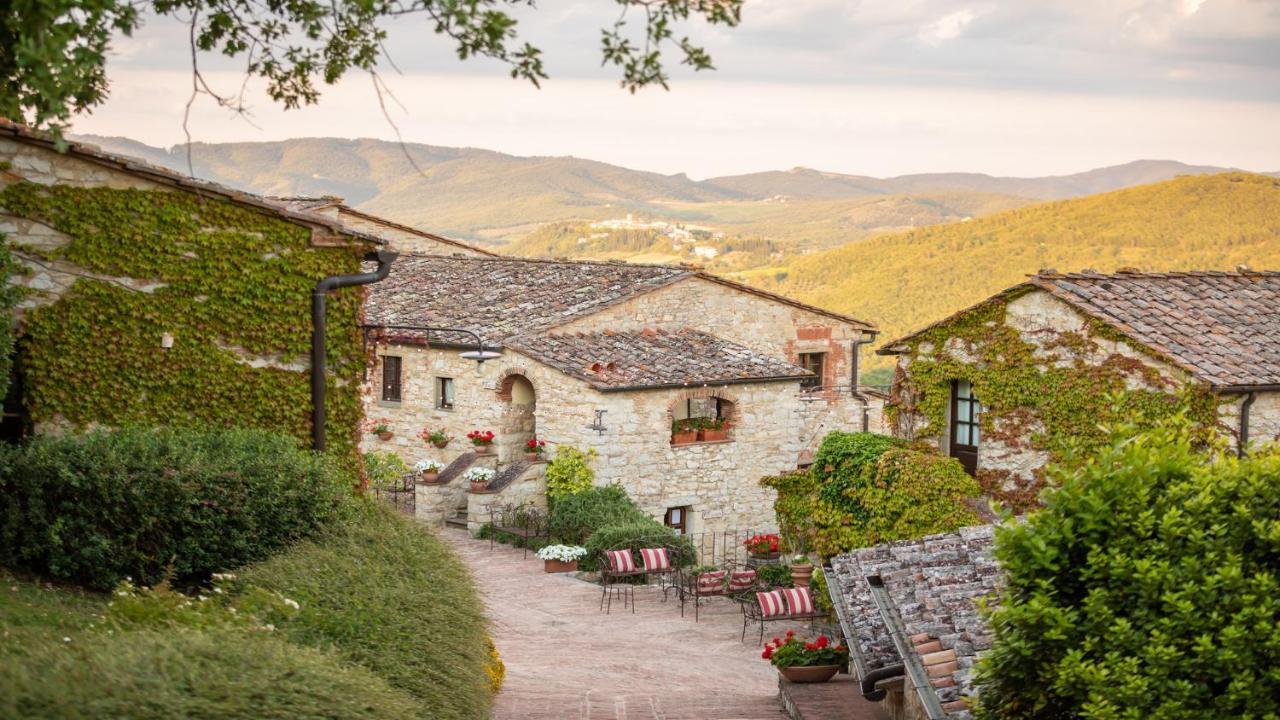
<point>935,584</point>
<point>311,204</point>
<point>1222,327</point>
<point>502,297</point>
<point>165,176</point>
<point>653,358</point>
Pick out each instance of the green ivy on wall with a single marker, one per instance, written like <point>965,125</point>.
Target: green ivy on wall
<point>235,285</point>
<point>1059,402</point>
<point>10,295</point>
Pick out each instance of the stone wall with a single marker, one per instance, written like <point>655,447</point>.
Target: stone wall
<point>401,239</point>
<point>1264,419</point>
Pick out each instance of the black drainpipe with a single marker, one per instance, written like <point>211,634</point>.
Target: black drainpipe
<point>333,282</point>
<point>854,364</point>
<point>1243,446</point>
<point>869,689</point>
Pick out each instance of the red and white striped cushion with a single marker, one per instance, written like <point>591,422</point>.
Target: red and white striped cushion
<point>799,601</point>
<point>655,559</point>
<point>771,604</point>
<point>711,581</point>
<point>742,580</point>
<point>620,561</point>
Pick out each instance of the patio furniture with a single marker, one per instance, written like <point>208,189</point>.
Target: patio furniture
<point>523,521</point>
<point>730,580</point>
<point>618,566</point>
<point>783,604</point>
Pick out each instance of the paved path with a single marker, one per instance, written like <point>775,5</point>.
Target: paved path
<point>567,659</point>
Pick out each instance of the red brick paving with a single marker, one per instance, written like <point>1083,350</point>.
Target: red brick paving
<point>567,659</point>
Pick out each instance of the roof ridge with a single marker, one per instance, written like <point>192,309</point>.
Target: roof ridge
<point>1134,273</point>
<point>561,261</point>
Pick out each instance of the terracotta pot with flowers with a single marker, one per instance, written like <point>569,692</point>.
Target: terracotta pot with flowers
<point>713,430</point>
<point>429,470</point>
<point>685,431</point>
<point>561,558</point>
<point>482,441</point>
<point>801,570</point>
<point>763,547</point>
<point>479,478</point>
<point>534,448</point>
<point>806,662</point>
<point>380,427</point>
<point>439,438</point>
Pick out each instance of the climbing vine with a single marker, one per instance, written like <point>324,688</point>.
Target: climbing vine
<point>231,285</point>
<point>10,295</point>
<point>1058,395</point>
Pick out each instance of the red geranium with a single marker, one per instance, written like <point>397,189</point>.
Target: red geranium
<point>794,652</point>
<point>535,445</point>
<point>762,544</point>
<point>480,438</point>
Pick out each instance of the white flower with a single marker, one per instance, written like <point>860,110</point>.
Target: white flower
<point>478,474</point>
<point>429,466</point>
<point>563,553</point>
<point>292,603</point>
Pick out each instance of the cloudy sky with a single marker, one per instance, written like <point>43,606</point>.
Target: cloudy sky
<point>879,87</point>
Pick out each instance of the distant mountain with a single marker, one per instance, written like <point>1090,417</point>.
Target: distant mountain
<point>481,194</point>
<point>904,281</point>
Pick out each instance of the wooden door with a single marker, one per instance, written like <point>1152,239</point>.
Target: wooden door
<point>965,435</point>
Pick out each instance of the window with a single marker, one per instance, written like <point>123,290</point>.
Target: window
<point>965,433</point>
<point>816,364</point>
<point>444,393</point>
<point>677,519</point>
<point>391,378</point>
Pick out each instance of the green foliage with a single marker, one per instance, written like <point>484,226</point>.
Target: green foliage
<point>634,535</point>
<point>53,63</point>
<point>884,492</point>
<point>792,651</point>
<point>569,472</point>
<point>775,575</point>
<point>9,297</point>
<point>1146,588</point>
<point>575,517</point>
<point>821,595</point>
<point>233,281</point>
<point>385,593</point>
<point>98,507</point>
<point>384,469</point>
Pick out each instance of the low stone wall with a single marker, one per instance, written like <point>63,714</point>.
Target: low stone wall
<point>529,488</point>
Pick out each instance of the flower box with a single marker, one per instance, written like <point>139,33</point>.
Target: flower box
<point>560,558</point>
<point>710,435</point>
<point>559,566</point>
<point>684,438</point>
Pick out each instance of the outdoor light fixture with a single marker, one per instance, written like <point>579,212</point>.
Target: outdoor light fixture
<point>480,354</point>
<point>166,341</point>
<point>598,425</point>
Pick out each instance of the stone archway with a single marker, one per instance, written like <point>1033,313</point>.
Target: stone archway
<point>519,416</point>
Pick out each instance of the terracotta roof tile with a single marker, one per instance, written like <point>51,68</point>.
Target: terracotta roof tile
<point>614,360</point>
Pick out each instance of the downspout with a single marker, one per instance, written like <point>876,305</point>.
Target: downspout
<point>318,370</point>
<point>1243,447</point>
<point>856,354</point>
<point>869,689</point>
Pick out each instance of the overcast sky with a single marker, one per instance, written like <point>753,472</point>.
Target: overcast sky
<point>878,87</point>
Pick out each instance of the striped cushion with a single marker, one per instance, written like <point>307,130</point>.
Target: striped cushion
<point>742,580</point>
<point>711,581</point>
<point>620,561</point>
<point>655,559</point>
<point>771,604</point>
<point>799,601</point>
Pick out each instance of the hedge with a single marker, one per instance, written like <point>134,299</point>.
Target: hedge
<point>1146,588</point>
<point>99,507</point>
<point>575,517</point>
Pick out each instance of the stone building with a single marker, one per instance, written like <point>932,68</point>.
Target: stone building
<point>606,356</point>
<point>196,297</point>
<point>910,611</point>
<point>1007,384</point>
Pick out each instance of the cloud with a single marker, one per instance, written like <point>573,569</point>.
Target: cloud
<point>947,27</point>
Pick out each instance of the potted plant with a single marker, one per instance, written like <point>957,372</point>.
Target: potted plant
<point>481,440</point>
<point>429,470</point>
<point>713,430</point>
<point>561,558</point>
<point>380,427</point>
<point>479,478</point>
<point>763,547</point>
<point>685,431</point>
<point>801,570</point>
<point>805,662</point>
<point>533,449</point>
<point>439,438</point>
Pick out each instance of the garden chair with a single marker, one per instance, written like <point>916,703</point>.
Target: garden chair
<point>523,521</point>
<point>618,566</point>
<point>730,580</point>
<point>783,604</point>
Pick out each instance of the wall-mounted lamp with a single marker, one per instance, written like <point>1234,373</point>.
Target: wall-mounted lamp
<point>166,341</point>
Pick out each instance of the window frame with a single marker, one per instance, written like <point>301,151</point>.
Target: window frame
<point>973,423</point>
<point>389,382</point>
<point>681,528</point>
<point>805,360</point>
<point>441,384</point>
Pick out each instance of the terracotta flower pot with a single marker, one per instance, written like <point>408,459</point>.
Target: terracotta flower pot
<point>709,435</point>
<point>532,457</point>
<point>479,485</point>
<point>559,566</point>
<point>430,477</point>
<point>684,438</point>
<point>810,673</point>
<point>483,449</point>
<point>442,444</point>
<point>384,436</point>
<point>801,575</point>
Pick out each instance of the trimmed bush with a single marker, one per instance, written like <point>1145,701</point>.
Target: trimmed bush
<point>387,594</point>
<point>575,517</point>
<point>177,673</point>
<point>569,472</point>
<point>634,535</point>
<point>1146,588</point>
<point>99,507</point>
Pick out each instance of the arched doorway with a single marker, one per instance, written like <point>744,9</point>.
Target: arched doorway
<point>519,418</point>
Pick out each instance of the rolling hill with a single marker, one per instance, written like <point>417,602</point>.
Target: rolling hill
<point>903,281</point>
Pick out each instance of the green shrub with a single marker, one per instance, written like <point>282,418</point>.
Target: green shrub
<point>636,534</point>
<point>575,517</point>
<point>1146,588</point>
<point>386,593</point>
<point>569,472</point>
<point>846,461</point>
<point>98,507</point>
<point>775,575</point>
<point>384,469</point>
<point>178,673</point>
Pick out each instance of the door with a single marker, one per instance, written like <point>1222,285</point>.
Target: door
<point>965,410</point>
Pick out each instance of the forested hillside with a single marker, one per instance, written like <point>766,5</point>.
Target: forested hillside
<point>905,280</point>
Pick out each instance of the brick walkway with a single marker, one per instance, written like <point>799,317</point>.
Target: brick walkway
<point>566,659</point>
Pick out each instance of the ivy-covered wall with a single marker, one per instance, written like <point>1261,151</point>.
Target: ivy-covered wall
<point>231,284</point>
<point>1049,379</point>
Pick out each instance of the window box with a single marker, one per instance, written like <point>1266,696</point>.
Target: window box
<point>712,435</point>
<point>684,437</point>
